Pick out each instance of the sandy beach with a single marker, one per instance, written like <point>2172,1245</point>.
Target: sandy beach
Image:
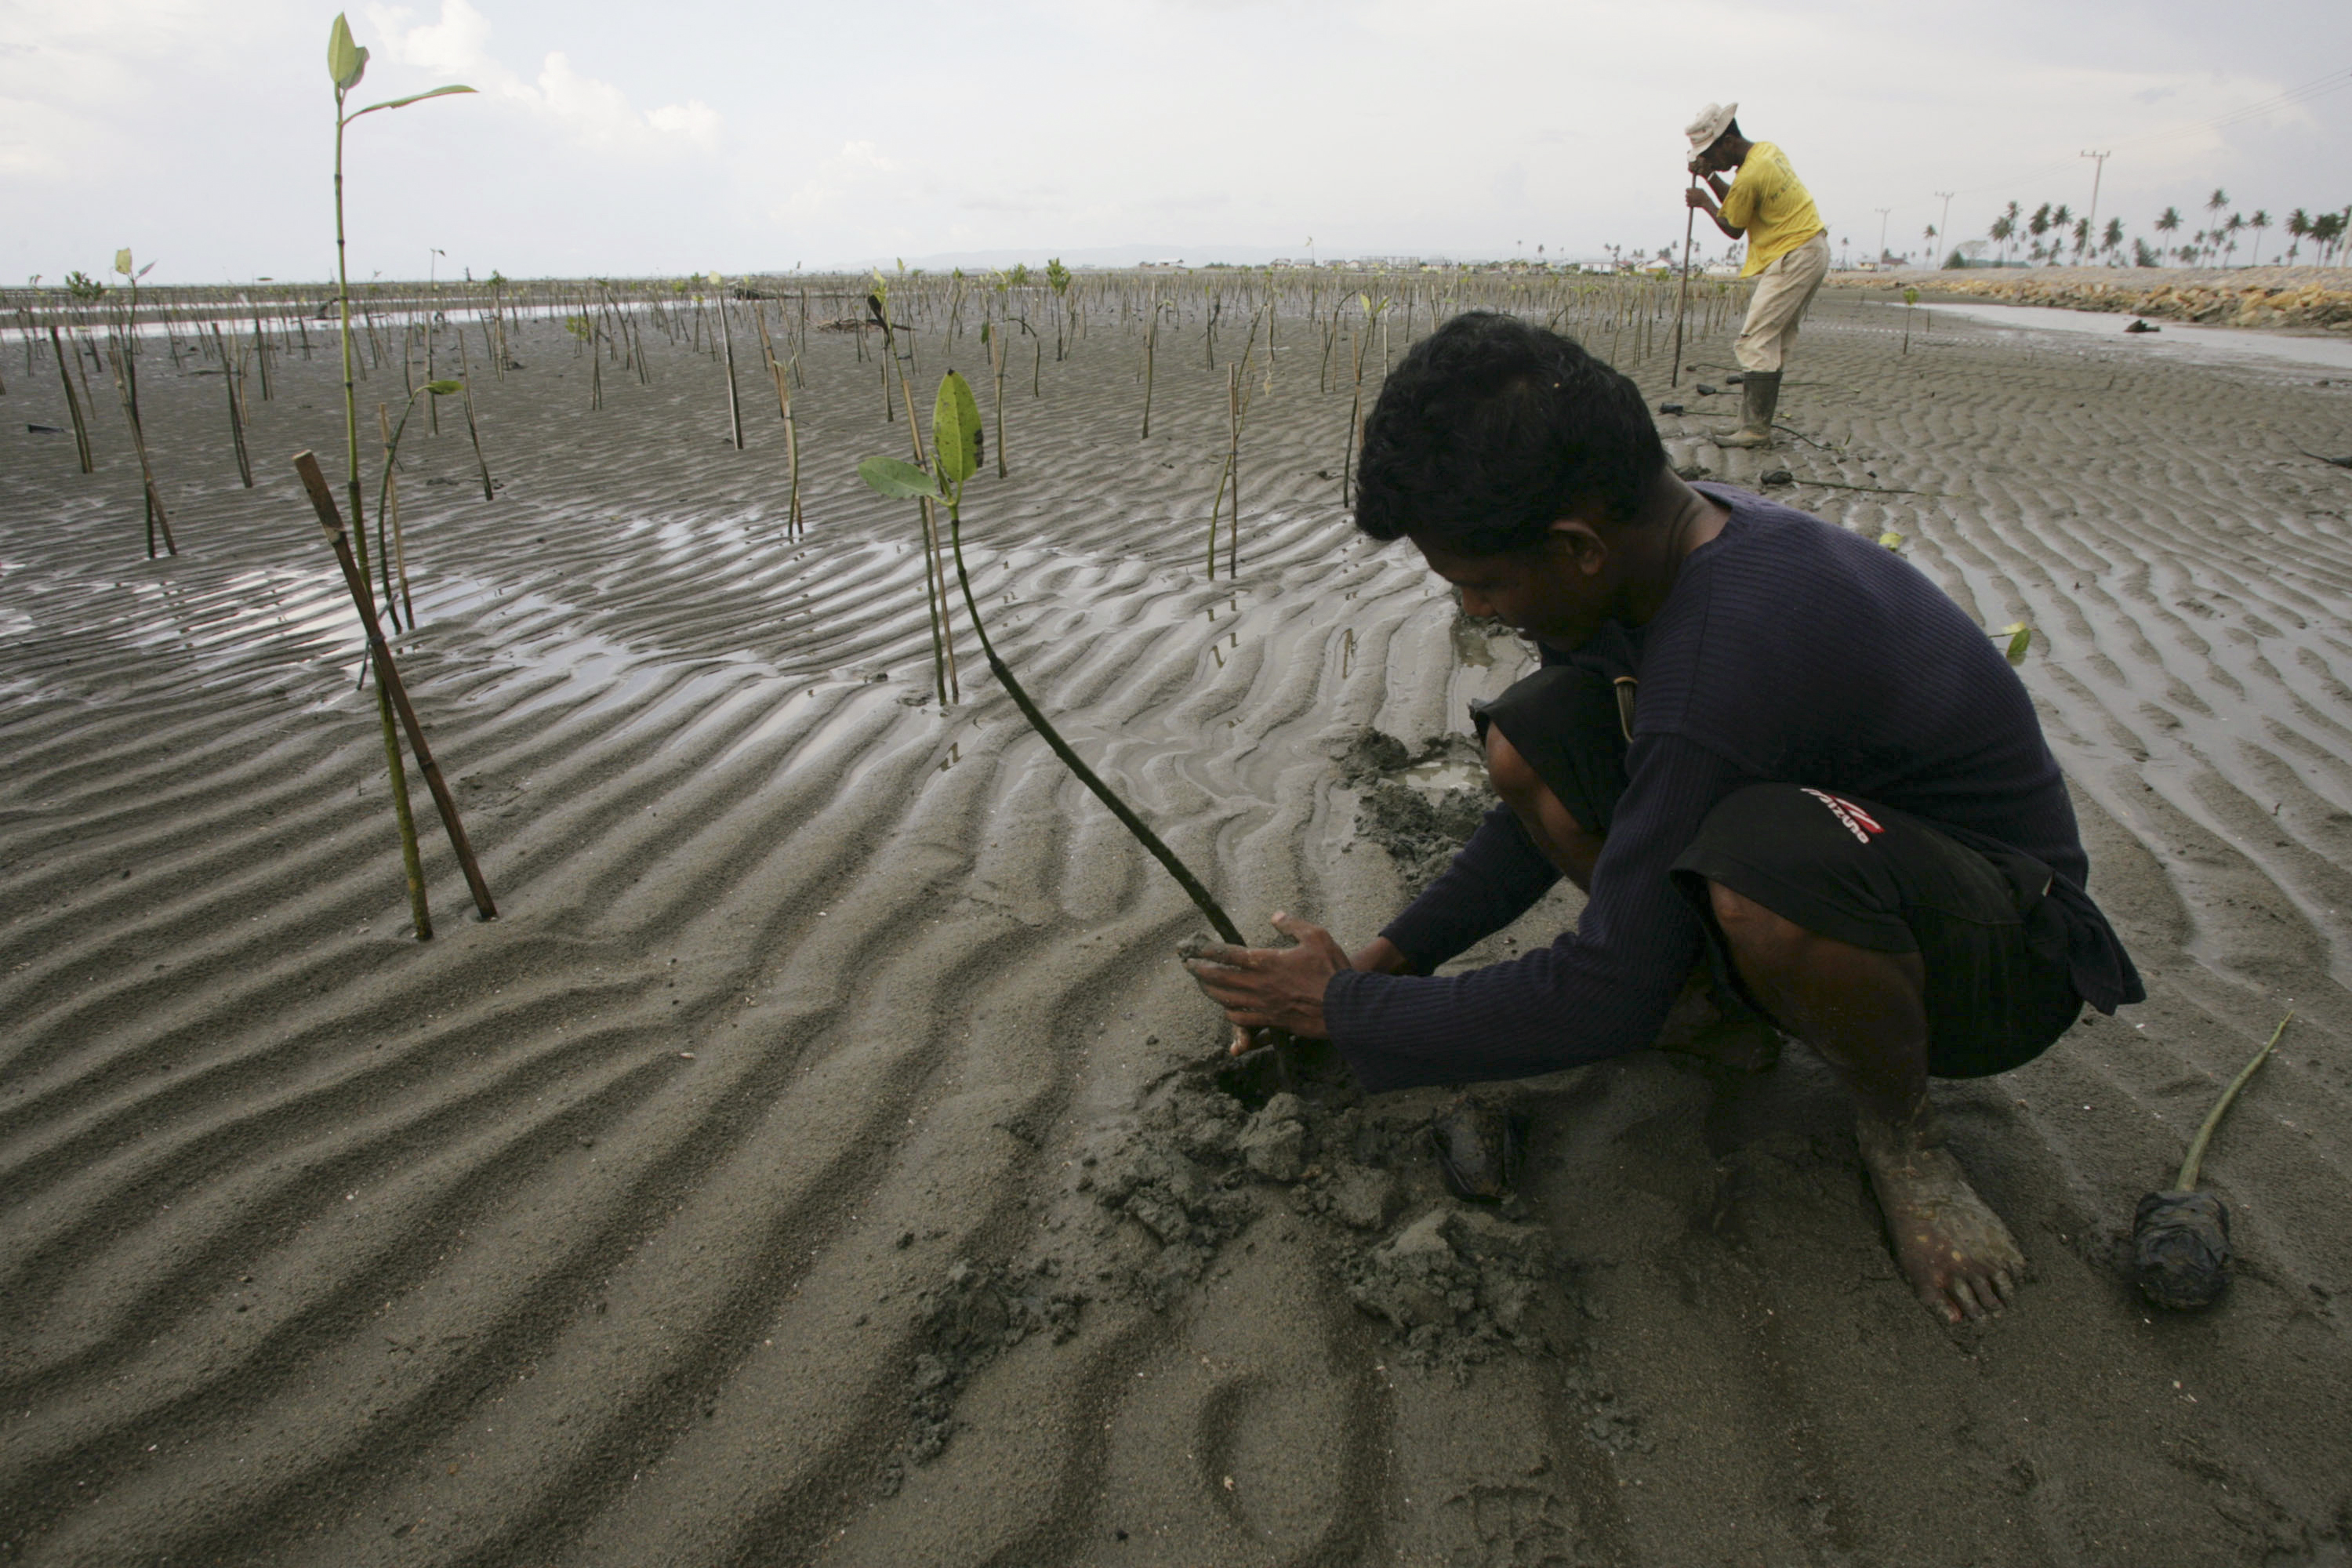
<point>822,1159</point>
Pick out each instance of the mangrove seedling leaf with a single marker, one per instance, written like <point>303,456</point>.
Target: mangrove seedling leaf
<point>143,271</point>
<point>1891,539</point>
<point>2020,637</point>
<point>1910,296</point>
<point>897,479</point>
<point>955,429</point>
<point>443,388</point>
<point>412,98</point>
<point>346,61</point>
<point>122,261</point>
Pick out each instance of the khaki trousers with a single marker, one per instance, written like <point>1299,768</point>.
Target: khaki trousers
<point>1782,291</point>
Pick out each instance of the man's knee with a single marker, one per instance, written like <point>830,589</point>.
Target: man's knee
<point>1514,777</point>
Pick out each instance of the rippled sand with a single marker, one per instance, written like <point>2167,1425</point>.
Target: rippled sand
<point>599,1234</point>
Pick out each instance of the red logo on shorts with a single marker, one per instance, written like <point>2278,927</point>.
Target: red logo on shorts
<point>1855,820</point>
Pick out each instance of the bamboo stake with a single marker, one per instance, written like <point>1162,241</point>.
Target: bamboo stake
<point>156,518</point>
<point>232,378</point>
<point>734,407</point>
<point>1150,341</point>
<point>996,353</point>
<point>473,433</point>
<point>392,697</point>
<point>793,523</point>
<point>73,405</point>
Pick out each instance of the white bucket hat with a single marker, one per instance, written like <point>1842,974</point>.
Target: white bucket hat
<point>1711,123</point>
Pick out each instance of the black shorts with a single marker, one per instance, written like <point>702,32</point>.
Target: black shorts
<point>1999,990</point>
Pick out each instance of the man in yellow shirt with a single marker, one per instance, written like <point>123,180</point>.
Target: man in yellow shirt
<point>1788,252</point>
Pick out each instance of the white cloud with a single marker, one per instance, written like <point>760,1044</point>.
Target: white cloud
<point>593,114</point>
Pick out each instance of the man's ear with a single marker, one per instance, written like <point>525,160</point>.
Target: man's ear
<point>1582,544</point>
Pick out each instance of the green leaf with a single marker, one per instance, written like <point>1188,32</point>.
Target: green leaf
<point>1910,296</point>
<point>412,98</point>
<point>899,480</point>
<point>955,429</point>
<point>2020,637</point>
<point>346,61</point>
<point>1891,539</point>
<point>122,261</point>
<point>443,388</point>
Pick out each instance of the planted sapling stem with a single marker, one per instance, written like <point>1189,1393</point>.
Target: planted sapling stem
<point>955,432</point>
<point>387,496</point>
<point>2180,1238</point>
<point>346,63</point>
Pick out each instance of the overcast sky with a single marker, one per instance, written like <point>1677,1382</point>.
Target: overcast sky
<point>616,138</point>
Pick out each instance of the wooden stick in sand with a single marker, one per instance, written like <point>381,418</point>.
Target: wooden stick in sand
<point>73,405</point>
<point>473,432</point>
<point>392,697</point>
<point>734,406</point>
<point>156,518</point>
<point>793,523</point>
<point>1690,220</point>
<point>231,376</point>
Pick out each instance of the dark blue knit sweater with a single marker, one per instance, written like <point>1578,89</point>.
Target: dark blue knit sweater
<point>1788,650</point>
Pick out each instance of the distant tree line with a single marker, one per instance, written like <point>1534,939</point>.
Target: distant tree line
<point>2053,234</point>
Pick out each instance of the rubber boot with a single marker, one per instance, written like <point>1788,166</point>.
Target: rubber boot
<point>1761,393</point>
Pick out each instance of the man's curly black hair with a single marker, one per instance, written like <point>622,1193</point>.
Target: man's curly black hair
<point>1490,430</point>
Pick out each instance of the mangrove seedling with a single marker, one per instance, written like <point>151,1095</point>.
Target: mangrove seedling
<point>955,445</point>
<point>935,581</point>
<point>387,501</point>
<point>346,63</point>
<point>2180,1238</point>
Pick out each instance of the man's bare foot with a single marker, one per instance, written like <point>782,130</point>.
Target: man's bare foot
<point>1960,1259</point>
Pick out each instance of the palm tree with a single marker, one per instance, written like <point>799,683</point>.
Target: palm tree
<point>2298,226</point>
<point>2112,241</point>
<point>2326,230</point>
<point>2002,228</point>
<point>2230,230</point>
<point>2082,239</point>
<point>2260,221</point>
<point>2214,203</point>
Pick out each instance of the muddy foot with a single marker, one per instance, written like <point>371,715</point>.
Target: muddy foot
<point>1959,1258</point>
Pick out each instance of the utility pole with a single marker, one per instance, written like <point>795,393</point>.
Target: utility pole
<point>1882,213</point>
<point>1944,229</point>
<point>2099,169</point>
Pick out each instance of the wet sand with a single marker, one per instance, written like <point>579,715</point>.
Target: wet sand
<point>817,1164</point>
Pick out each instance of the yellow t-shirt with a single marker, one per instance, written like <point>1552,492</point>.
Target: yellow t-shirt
<point>1771,205</point>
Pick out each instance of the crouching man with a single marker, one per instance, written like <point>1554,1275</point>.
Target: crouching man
<point>1758,743</point>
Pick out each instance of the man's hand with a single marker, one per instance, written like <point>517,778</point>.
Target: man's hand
<point>1696,196</point>
<point>1277,987</point>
